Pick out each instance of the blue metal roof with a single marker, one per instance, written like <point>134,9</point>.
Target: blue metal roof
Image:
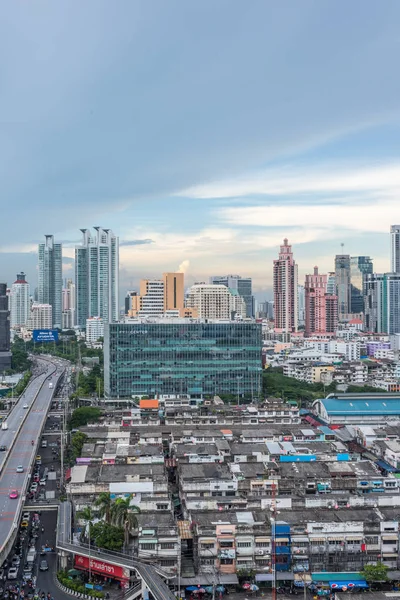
<point>370,406</point>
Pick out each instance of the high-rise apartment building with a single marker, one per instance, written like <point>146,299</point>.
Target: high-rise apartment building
<point>395,248</point>
<point>342,280</point>
<point>68,305</point>
<point>157,297</point>
<point>265,310</point>
<point>285,290</point>
<point>94,329</point>
<point>320,308</point>
<point>151,297</point>
<point>128,301</point>
<point>213,301</point>
<point>50,277</point>
<point>301,305</point>
<point>40,317</point>
<point>382,303</point>
<point>331,284</point>
<point>5,354</point>
<point>20,301</point>
<point>97,276</point>
<point>243,286</point>
<point>360,266</point>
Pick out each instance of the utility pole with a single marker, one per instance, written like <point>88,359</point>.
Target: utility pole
<point>273,539</point>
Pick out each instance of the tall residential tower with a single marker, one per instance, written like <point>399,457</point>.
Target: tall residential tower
<point>285,290</point>
<point>321,308</point>
<point>395,248</point>
<point>97,276</point>
<point>50,277</point>
<point>243,287</point>
<point>20,301</point>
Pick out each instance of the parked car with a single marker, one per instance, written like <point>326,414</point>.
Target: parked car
<point>25,405</point>
<point>15,561</point>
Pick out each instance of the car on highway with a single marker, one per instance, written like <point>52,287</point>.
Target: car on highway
<point>13,494</point>
<point>15,561</point>
<point>26,516</point>
<point>20,469</point>
<point>43,565</point>
<point>25,405</point>
<point>36,478</point>
<point>43,481</point>
<point>3,448</point>
<point>13,573</point>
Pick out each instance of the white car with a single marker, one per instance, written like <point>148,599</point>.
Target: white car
<point>13,573</point>
<point>20,469</point>
<point>25,405</point>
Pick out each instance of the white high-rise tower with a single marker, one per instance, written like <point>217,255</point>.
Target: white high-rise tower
<point>97,276</point>
<point>395,248</point>
<point>20,301</point>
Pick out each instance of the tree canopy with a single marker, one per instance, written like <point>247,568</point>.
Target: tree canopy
<point>375,573</point>
<point>84,415</point>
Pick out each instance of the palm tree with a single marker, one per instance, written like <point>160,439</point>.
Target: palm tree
<point>86,515</point>
<point>104,505</point>
<point>123,515</point>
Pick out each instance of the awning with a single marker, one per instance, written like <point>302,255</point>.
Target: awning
<point>280,576</point>
<point>262,539</point>
<point>281,539</point>
<point>335,538</point>
<point>389,536</point>
<point>317,540</point>
<point>349,584</point>
<point>389,555</point>
<point>208,579</point>
<point>385,466</point>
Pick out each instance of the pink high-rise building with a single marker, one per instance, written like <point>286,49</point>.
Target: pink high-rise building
<point>285,290</point>
<point>321,308</point>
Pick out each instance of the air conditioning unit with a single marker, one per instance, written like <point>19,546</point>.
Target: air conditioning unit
<point>259,552</point>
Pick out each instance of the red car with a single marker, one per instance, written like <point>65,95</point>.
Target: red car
<point>13,494</point>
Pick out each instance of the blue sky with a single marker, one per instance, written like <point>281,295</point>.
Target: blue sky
<point>201,132</point>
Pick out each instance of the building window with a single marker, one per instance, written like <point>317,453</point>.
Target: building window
<point>224,544</point>
<point>244,544</point>
<point>147,546</point>
<point>206,546</point>
<point>226,561</point>
<point>167,546</point>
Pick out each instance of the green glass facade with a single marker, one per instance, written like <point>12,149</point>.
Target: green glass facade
<point>182,358</point>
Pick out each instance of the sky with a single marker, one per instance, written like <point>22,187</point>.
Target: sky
<point>202,133</point>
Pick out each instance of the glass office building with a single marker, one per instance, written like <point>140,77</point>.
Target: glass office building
<point>360,266</point>
<point>194,358</point>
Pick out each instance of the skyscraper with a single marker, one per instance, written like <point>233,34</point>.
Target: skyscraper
<point>342,280</point>
<point>5,354</point>
<point>68,305</point>
<point>97,276</point>
<point>360,266</point>
<point>212,301</point>
<point>301,305</point>
<point>50,277</point>
<point>20,301</point>
<point>321,308</point>
<point>395,248</point>
<point>243,286</point>
<point>174,294</point>
<point>285,290</point>
<point>382,303</point>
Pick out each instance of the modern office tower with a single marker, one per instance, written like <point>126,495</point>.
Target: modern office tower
<point>382,303</point>
<point>128,301</point>
<point>151,294</point>
<point>342,280</point>
<point>331,284</point>
<point>181,357</point>
<point>285,291</point>
<point>265,310</point>
<point>68,305</point>
<point>243,285</point>
<point>395,248</point>
<point>97,276</point>
<point>174,292</point>
<point>94,329</point>
<point>213,301</point>
<point>40,317</point>
<point>360,266</point>
<point>20,301</point>
<point>301,305</point>
<point>321,308</point>
<point>5,354</point>
<point>50,277</point>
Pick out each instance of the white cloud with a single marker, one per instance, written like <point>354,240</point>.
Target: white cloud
<point>308,180</point>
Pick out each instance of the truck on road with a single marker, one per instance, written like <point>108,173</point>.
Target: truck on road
<point>50,384</point>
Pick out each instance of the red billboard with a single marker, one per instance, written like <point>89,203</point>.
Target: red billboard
<point>98,566</point>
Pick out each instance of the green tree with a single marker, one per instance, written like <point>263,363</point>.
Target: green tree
<point>375,573</point>
<point>107,536</point>
<point>77,441</point>
<point>84,415</point>
<point>86,515</point>
<point>124,515</point>
<point>104,504</point>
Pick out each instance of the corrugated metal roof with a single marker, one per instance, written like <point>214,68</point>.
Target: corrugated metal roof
<point>370,406</point>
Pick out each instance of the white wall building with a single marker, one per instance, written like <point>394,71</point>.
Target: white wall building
<point>94,329</point>
<point>41,317</point>
<point>20,301</point>
<point>213,301</point>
